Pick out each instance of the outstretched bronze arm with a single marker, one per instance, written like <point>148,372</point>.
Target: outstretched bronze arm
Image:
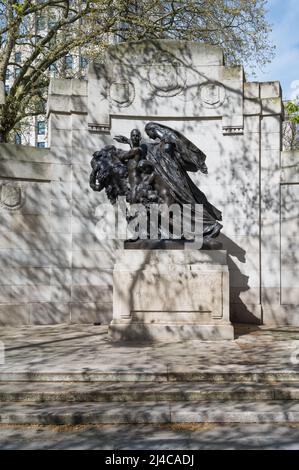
<point>122,140</point>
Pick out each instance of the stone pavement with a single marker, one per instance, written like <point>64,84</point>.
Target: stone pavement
<point>85,351</point>
<point>70,387</point>
<point>138,437</point>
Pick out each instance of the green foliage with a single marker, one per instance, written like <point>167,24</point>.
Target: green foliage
<point>292,110</point>
<point>291,125</point>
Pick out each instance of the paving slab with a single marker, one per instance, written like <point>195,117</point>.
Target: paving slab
<point>123,392</point>
<point>150,412</point>
<point>86,350</point>
<point>163,437</point>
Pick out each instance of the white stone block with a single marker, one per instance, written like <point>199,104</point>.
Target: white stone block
<point>91,259</point>
<point>61,189</point>
<point>78,104</point>
<point>48,313</point>
<point>290,295</point>
<point>92,276</point>
<point>174,282</point>
<point>61,207</point>
<point>61,172</point>
<point>60,154</point>
<point>290,175</point>
<point>59,224</point>
<point>270,160</point>
<point>289,158</point>
<point>79,122</point>
<point>61,276</point>
<point>290,278</point>
<point>30,223</point>
<point>60,86</point>
<point>251,124</point>
<point>79,87</point>
<point>271,124</point>
<point>270,90</point>
<point>60,137</point>
<point>14,314</point>
<point>58,104</point>
<point>38,293</point>
<point>85,293</point>
<point>60,293</point>
<point>271,141</point>
<point>60,122</point>
<point>252,107</point>
<point>90,242</point>
<point>5,294</point>
<point>84,224</point>
<point>29,276</point>
<point>39,258</point>
<point>36,198</point>
<point>252,90</point>
<point>91,312</point>
<point>24,153</point>
<point>28,170</point>
<point>272,106</point>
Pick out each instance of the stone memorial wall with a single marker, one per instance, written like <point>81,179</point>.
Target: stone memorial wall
<point>53,267</point>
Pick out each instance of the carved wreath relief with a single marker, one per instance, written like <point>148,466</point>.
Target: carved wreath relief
<point>122,93</point>
<point>10,196</point>
<point>167,79</point>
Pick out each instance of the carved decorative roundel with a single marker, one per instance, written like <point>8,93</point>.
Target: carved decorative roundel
<point>167,79</point>
<point>212,95</point>
<point>11,197</point>
<point>122,93</point>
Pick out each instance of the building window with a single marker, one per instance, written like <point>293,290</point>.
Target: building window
<point>18,57</point>
<point>17,71</point>
<point>83,62</point>
<point>69,62</point>
<point>18,139</point>
<point>7,89</point>
<point>7,74</point>
<point>41,127</point>
<point>41,145</point>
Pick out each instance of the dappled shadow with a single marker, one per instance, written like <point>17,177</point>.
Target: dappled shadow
<point>53,267</point>
<point>84,353</point>
<point>138,437</point>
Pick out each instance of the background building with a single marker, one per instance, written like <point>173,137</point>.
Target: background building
<point>34,130</point>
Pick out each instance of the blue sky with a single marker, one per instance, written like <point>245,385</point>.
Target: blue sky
<point>284,17</point>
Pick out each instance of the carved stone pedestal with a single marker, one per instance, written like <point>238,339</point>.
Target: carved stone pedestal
<point>170,295</point>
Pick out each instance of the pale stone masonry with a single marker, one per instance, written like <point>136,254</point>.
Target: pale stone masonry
<point>170,295</point>
<point>53,268</point>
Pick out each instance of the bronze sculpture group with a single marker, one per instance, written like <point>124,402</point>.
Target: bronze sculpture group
<point>156,172</point>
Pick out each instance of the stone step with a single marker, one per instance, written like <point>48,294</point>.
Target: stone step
<point>144,392</point>
<point>147,412</point>
<point>173,375</point>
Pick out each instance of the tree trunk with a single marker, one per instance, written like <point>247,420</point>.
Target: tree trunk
<point>3,137</point>
<point>6,123</point>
